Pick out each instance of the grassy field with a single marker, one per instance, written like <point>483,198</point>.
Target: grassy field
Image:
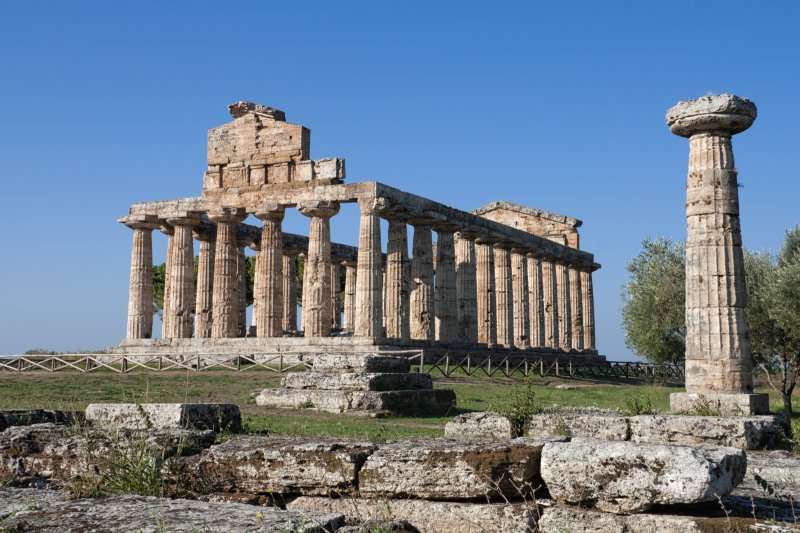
<point>74,391</point>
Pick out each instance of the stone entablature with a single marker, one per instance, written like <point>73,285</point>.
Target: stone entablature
<point>558,228</point>
<point>435,294</point>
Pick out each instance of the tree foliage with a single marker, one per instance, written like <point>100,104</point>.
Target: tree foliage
<point>653,302</point>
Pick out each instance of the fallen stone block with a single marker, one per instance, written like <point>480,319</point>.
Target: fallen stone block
<point>361,363</point>
<point>284,465</point>
<point>628,477</point>
<point>142,416</point>
<point>357,381</point>
<point>430,516</point>
<point>26,417</point>
<point>439,469</point>
<point>593,426</point>
<point>46,510</point>
<point>476,427</point>
<point>750,433</point>
<point>370,403</point>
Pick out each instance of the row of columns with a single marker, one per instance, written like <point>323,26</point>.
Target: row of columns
<point>480,291</point>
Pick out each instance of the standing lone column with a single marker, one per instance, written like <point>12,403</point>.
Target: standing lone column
<point>719,366</point>
<point>466,289</point>
<point>422,303</point>
<point>317,269</point>
<point>504,296</point>
<point>587,292</point>
<point>550,302</point>
<point>576,308</point>
<point>180,273</point>
<point>369,279</point>
<point>487,321</point>
<point>268,290</point>
<point>519,282</point>
<point>140,295</point>
<point>535,301</point>
<point>289,292</point>
<point>445,287</point>
<point>349,318</point>
<point>225,297</point>
<point>205,284</point>
<point>396,290</point>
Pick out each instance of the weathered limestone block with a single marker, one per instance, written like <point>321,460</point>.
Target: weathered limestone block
<point>27,417</point>
<point>593,426</point>
<point>558,519</point>
<point>140,300</point>
<point>750,433</point>
<point>357,381</point>
<point>370,403</point>
<point>737,404</point>
<point>429,516</point>
<point>225,292</point>
<point>47,510</point>
<point>587,295</point>
<point>360,363</point>
<point>45,451</point>
<point>472,427</point>
<point>215,416</point>
<point>535,301</point>
<point>287,465</point>
<point>268,286</point>
<point>626,477</point>
<point>519,282</point>
<point>779,468</point>
<point>449,470</point>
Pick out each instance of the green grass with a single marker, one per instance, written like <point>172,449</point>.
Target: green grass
<point>70,390</point>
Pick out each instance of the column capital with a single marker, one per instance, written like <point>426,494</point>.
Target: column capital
<point>204,232</point>
<point>184,218</point>
<point>269,211</point>
<point>227,214</point>
<point>725,114</point>
<point>320,209</point>
<point>140,221</point>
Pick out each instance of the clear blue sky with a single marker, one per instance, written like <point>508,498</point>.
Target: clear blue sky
<point>559,106</point>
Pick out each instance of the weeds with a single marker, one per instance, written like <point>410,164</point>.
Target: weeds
<point>634,407</point>
<point>523,404</point>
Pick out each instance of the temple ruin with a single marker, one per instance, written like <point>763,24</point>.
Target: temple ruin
<point>504,278</point>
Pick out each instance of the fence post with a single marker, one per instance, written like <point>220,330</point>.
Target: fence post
<point>447,365</point>
<point>508,375</point>
<point>422,361</point>
<point>469,365</point>
<point>124,364</point>
<point>557,368</point>
<point>527,371</point>
<point>197,368</point>
<point>570,368</point>
<point>541,367</point>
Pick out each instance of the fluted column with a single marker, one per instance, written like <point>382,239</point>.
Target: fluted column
<point>268,283</point>
<point>257,308</point>
<point>205,284</point>
<point>140,294</point>
<point>445,287</point>
<point>576,308</point>
<point>564,312</point>
<point>535,301</point>
<point>422,309</point>
<point>519,282</point>
<point>504,295</point>
<point>396,288</point>
<point>587,295</point>
<point>466,290</point>
<point>317,270</point>
<point>718,357</point>
<point>180,299</point>
<point>225,307</point>
<point>349,318</point>
<point>166,300</point>
<point>289,292</point>
<point>487,321</point>
<point>241,268</point>
<point>550,300</point>
<point>369,278</point>
<point>336,297</point>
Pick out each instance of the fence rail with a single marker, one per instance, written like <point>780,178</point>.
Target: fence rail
<point>445,365</point>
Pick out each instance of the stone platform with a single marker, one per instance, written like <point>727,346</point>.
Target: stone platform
<point>359,384</point>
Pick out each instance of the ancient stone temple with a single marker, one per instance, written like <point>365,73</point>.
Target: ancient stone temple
<point>505,278</point>
<point>719,366</point>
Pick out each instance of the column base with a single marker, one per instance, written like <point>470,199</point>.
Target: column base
<point>721,404</point>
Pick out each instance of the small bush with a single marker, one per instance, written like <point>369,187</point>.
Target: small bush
<point>523,404</point>
<point>636,407</point>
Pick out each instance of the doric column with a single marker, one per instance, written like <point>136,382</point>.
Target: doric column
<point>140,294</point>
<point>422,309</point>
<point>564,311</point>
<point>180,299</point>
<point>718,358</point>
<point>241,271</point>
<point>317,270</point>
<point>205,284</point>
<point>369,279</point>
<point>445,287</point>
<point>225,297</point>
<point>336,297</point>
<point>257,309</point>
<point>268,283</point>
<point>519,282</point>
<point>396,288</point>
<point>289,292</point>
<point>504,295</point>
<point>466,290</point>
<point>166,297</point>
<point>550,300</point>
<point>487,321</point>
<point>587,294</point>
<point>576,308</point>
<point>349,319</point>
<point>536,301</point>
